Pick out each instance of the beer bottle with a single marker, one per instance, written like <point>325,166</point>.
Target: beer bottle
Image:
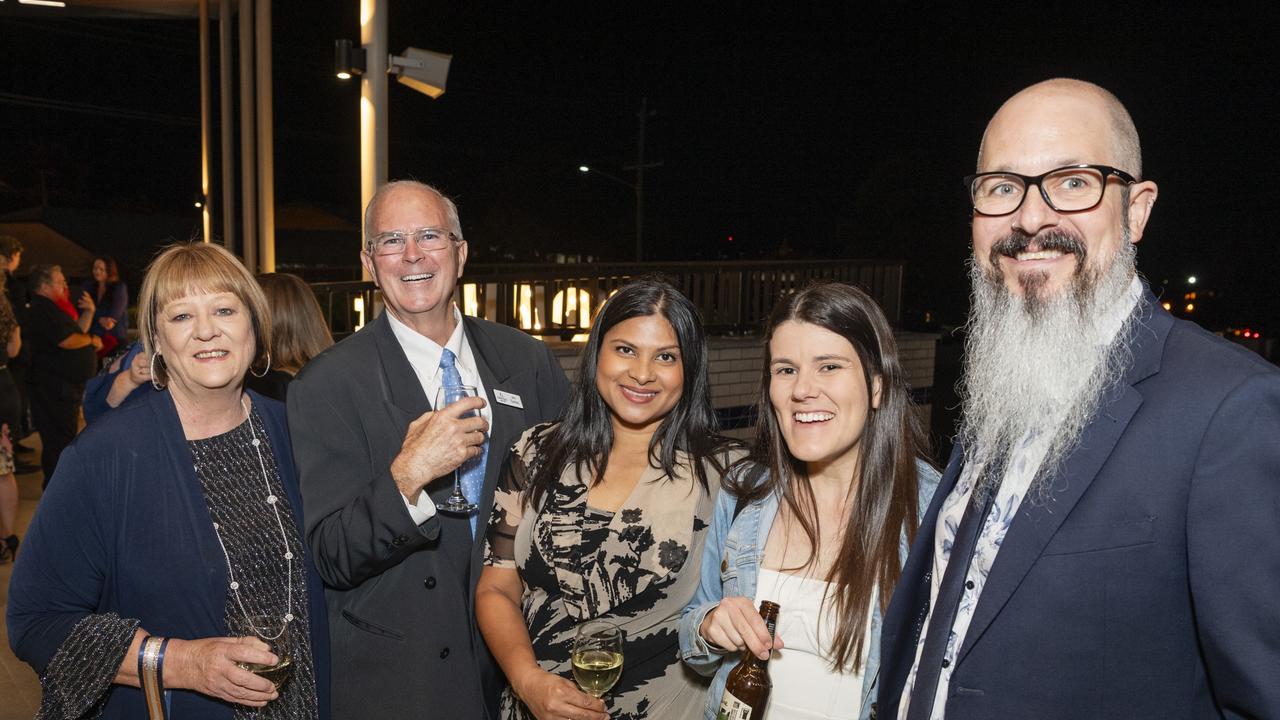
<point>746,691</point>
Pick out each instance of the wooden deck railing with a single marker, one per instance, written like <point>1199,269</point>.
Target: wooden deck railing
<point>557,300</point>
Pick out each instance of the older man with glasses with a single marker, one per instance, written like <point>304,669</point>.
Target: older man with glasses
<point>376,461</point>
<point>1103,543</point>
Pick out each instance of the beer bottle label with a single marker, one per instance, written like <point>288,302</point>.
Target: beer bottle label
<point>731,708</point>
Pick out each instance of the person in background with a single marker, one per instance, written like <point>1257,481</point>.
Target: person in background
<point>125,378</point>
<point>375,459</point>
<point>19,296</point>
<point>169,527</point>
<point>602,515</point>
<point>62,360</point>
<point>300,332</point>
<point>10,411</point>
<point>110,319</point>
<point>820,518</point>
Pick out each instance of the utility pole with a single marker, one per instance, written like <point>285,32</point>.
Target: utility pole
<point>642,117</point>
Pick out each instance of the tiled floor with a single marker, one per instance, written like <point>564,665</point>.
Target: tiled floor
<point>19,686</point>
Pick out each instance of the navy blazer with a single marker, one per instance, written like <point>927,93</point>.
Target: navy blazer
<point>1145,586</point>
<point>124,528</point>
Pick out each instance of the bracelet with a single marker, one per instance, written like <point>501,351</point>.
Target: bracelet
<point>151,674</point>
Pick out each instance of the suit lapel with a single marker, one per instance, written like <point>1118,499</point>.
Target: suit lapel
<point>1037,522</point>
<point>400,385</point>
<point>899,631</point>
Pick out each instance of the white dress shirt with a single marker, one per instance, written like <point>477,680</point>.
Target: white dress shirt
<point>424,356</point>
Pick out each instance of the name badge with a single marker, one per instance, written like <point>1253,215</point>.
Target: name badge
<point>508,399</point>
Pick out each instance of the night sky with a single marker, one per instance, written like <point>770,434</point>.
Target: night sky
<point>833,131</point>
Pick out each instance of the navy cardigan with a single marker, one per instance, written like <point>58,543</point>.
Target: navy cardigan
<point>124,528</point>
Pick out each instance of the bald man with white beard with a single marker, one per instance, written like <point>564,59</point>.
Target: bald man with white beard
<point>1112,503</point>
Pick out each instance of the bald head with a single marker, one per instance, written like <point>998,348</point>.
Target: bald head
<point>389,191</point>
<point>1084,100</point>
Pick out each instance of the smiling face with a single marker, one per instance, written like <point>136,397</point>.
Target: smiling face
<point>819,395</point>
<point>417,286</point>
<point>638,372</point>
<point>1037,252</point>
<point>207,342</point>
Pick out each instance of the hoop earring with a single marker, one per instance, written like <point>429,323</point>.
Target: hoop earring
<point>265,370</point>
<point>155,383</point>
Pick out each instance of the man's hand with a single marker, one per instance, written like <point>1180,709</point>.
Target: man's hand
<point>437,443</point>
<point>96,342</point>
<point>86,303</point>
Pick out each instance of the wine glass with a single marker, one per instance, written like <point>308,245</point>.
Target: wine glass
<point>597,656</point>
<point>274,631</point>
<point>456,502</point>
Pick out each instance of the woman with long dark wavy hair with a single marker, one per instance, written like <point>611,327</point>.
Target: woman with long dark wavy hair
<point>602,515</point>
<point>820,518</point>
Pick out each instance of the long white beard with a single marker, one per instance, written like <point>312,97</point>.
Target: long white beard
<point>1040,364</point>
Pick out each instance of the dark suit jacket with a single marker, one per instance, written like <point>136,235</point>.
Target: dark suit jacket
<point>405,643</point>
<point>124,528</point>
<point>1145,587</point>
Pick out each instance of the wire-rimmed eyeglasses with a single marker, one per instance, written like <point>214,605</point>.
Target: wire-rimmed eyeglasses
<point>429,239</point>
<point>1073,188</point>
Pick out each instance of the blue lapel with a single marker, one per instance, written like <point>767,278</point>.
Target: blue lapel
<point>1037,522</point>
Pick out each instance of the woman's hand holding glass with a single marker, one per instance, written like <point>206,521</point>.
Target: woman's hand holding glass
<point>551,697</point>
<point>211,666</point>
<point>736,624</point>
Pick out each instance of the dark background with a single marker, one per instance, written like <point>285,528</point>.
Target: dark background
<point>827,131</point>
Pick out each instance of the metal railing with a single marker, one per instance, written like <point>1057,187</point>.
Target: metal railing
<point>557,300</point>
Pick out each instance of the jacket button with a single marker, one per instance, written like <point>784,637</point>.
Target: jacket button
<point>724,565</point>
<point>444,653</point>
<point>945,662</point>
<point>429,582</point>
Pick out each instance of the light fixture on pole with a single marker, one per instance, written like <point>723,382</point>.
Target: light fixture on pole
<point>422,70</point>
<point>347,59</point>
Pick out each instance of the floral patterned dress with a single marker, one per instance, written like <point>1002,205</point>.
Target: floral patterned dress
<point>636,568</point>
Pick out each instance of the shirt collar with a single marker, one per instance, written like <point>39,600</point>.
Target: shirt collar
<point>423,352</point>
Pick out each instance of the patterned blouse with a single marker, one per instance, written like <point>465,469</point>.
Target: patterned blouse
<point>631,567</point>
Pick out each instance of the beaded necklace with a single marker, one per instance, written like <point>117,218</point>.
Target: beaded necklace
<point>272,501</point>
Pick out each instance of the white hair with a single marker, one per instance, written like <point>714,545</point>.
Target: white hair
<point>1041,364</point>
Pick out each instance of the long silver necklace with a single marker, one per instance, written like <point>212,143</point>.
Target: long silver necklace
<point>274,502</point>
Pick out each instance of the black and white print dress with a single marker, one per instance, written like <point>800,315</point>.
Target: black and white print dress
<point>636,567</point>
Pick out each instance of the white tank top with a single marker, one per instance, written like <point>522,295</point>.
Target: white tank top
<point>804,687</point>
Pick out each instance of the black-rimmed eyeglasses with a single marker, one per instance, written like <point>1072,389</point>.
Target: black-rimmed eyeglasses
<point>428,239</point>
<point>1073,188</point>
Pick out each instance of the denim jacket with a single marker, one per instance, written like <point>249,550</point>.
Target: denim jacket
<point>731,561</point>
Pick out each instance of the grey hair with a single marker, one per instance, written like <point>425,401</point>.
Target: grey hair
<point>42,275</point>
<point>450,209</point>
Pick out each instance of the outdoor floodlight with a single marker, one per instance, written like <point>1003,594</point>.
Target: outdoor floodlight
<point>347,59</point>
<point>422,70</point>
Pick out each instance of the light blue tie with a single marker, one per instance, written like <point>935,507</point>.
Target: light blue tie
<point>471,473</point>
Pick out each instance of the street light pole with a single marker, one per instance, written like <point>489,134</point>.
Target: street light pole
<point>638,186</point>
<point>642,116</point>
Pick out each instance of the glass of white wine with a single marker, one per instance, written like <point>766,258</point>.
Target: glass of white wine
<point>456,502</point>
<point>274,631</point>
<point>597,656</point>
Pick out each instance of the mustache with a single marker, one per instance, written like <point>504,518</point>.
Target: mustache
<point>1052,239</point>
